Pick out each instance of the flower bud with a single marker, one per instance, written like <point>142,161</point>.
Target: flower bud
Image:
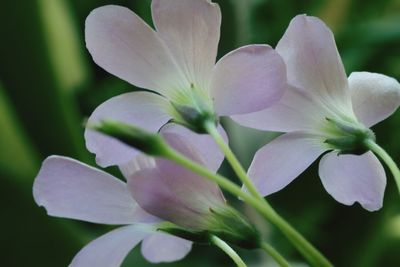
<point>147,142</point>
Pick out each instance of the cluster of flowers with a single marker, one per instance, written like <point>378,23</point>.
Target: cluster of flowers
<point>299,88</point>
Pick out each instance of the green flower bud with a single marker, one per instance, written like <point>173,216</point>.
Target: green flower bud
<point>147,142</point>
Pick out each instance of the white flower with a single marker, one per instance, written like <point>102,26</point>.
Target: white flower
<point>323,112</point>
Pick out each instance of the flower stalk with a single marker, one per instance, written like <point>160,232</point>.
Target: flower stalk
<point>380,152</point>
<point>275,255</point>
<point>233,161</point>
<point>228,250</point>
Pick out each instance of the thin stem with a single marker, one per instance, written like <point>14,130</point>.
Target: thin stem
<point>233,161</point>
<point>228,250</point>
<point>261,205</point>
<point>387,159</point>
<point>275,255</point>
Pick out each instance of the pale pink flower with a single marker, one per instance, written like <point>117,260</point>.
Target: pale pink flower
<point>157,191</point>
<point>320,113</point>
<point>177,62</point>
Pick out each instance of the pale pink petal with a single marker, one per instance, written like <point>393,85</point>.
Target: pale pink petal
<point>161,247</point>
<point>141,109</point>
<point>375,96</point>
<point>204,144</point>
<point>313,62</point>
<point>295,111</point>
<point>279,162</point>
<point>190,29</point>
<point>248,79</point>
<point>353,178</point>
<point>110,249</point>
<point>122,44</point>
<point>68,188</point>
<point>174,193</point>
<point>154,195</point>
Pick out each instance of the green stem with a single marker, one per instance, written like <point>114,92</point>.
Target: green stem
<point>275,255</point>
<point>261,205</point>
<point>228,250</point>
<point>233,161</point>
<point>374,147</point>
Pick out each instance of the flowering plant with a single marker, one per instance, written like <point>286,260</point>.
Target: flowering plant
<point>169,144</point>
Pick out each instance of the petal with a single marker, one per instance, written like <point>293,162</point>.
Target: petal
<point>68,188</point>
<point>204,144</point>
<point>142,109</point>
<point>248,79</point>
<point>375,96</point>
<point>161,247</point>
<point>174,193</point>
<point>111,248</point>
<point>313,62</point>
<point>190,29</point>
<point>122,44</point>
<point>279,162</point>
<point>140,162</point>
<point>352,178</point>
<point>295,111</point>
<point>155,196</point>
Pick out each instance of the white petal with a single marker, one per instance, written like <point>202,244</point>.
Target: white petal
<point>375,96</point>
<point>121,43</point>
<point>190,29</point>
<point>110,249</point>
<point>352,178</point>
<point>204,144</point>
<point>296,111</point>
<point>141,109</point>
<point>161,247</point>
<point>248,79</point>
<point>68,188</point>
<point>279,162</point>
<point>313,62</point>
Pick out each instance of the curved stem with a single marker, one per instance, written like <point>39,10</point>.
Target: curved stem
<point>275,254</point>
<point>374,147</point>
<point>231,158</point>
<point>261,205</point>
<point>228,250</point>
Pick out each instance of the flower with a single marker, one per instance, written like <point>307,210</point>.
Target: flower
<point>70,189</point>
<point>323,112</point>
<point>157,191</point>
<point>177,63</point>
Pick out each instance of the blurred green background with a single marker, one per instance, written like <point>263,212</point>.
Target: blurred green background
<point>49,84</point>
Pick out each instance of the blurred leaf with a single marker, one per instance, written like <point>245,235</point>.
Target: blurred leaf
<point>30,76</point>
<point>29,236</point>
<point>64,46</point>
<point>16,152</point>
